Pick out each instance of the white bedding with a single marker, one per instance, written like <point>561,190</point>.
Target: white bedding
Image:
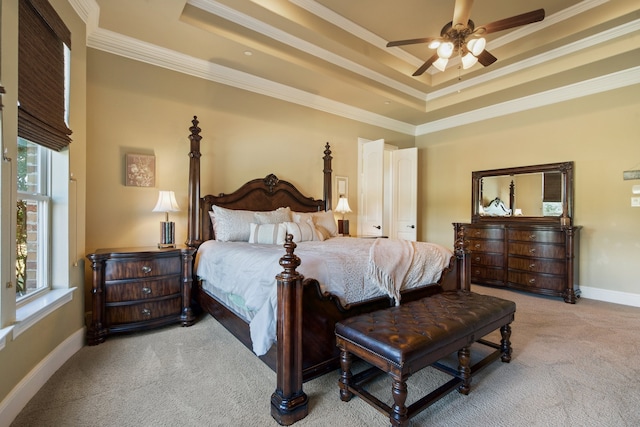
<point>350,268</point>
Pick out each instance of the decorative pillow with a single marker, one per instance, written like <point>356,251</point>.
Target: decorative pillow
<point>324,219</point>
<point>301,231</point>
<point>231,224</point>
<point>268,234</point>
<point>323,233</point>
<point>273,217</point>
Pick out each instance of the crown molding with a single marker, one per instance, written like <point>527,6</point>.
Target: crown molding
<point>118,44</point>
<point>600,84</point>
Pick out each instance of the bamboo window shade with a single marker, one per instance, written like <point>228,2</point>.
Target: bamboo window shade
<point>41,75</point>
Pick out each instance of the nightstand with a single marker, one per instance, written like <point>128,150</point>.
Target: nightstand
<point>136,289</point>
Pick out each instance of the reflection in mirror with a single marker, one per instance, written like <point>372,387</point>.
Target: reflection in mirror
<point>528,194</point>
<point>543,193</point>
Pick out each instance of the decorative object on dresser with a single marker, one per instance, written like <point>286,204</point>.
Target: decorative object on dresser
<point>535,250</point>
<point>136,289</point>
<point>167,203</point>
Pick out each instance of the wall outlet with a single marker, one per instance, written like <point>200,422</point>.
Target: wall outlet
<point>635,202</point>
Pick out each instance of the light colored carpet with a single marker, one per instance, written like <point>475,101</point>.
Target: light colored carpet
<point>573,365</point>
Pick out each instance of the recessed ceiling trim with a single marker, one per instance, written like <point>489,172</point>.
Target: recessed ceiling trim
<point>600,84</point>
<point>253,24</point>
<point>560,52</point>
<point>128,47</point>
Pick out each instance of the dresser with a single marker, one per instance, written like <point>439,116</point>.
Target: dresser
<point>539,258</point>
<point>136,289</point>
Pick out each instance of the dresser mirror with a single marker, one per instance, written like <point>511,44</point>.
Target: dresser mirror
<point>539,193</point>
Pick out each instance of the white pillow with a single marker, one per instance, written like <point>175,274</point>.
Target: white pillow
<point>302,232</point>
<point>324,219</point>
<point>231,224</point>
<point>268,234</point>
<point>273,217</point>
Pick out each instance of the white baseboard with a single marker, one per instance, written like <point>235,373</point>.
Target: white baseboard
<point>616,297</point>
<point>22,393</point>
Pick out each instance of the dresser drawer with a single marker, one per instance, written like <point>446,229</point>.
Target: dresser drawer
<point>538,281</point>
<point>138,268</point>
<point>142,289</point>
<point>551,266</point>
<point>485,245</point>
<point>142,311</point>
<point>487,274</point>
<point>485,233</point>
<point>537,250</point>
<point>482,259</point>
<point>542,236</point>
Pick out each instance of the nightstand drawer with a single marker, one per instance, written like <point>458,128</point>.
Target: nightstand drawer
<point>139,312</point>
<point>141,289</point>
<point>132,269</point>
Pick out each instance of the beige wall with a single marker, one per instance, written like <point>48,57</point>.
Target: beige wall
<point>27,351</point>
<point>599,133</point>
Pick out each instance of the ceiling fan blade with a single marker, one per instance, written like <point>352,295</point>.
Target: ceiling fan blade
<point>461,12</point>
<point>410,41</point>
<point>486,59</point>
<point>514,21</point>
<point>426,65</point>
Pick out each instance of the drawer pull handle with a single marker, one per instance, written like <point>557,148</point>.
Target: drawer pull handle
<point>477,272</point>
<point>146,290</point>
<point>477,246</point>
<point>532,266</point>
<point>532,250</point>
<point>532,237</point>
<point>146,312</point>
<point>477,232</point>
<point>146,269</point>
<point>477,259</point>
<point>532,281</point>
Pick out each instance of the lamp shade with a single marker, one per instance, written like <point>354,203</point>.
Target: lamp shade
<point>166,202</point>
<point>343,206</point>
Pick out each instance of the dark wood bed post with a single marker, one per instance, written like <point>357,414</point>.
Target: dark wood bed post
<point>289,403</point>
<point>193,224</point>
<point>463,264</point>
<point>327,178</point>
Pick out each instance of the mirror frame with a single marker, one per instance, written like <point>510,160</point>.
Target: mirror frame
<point>565,168</point>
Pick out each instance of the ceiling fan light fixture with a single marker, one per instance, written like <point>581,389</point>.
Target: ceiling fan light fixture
<point>476,46</point>
<point>434,44</point>
<point>440,63</point>
<point>468,61</point>
<point>445,50</point>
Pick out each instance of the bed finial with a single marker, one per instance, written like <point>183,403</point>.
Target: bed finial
<point>194,224</point>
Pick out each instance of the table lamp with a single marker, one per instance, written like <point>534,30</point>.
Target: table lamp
<point>343,224</point>
<point>167,203</point>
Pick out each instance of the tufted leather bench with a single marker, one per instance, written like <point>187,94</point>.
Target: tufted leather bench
<point>402,340</point>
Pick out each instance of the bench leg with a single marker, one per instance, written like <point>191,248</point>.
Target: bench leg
<point>345,376</point>
<point>464,370</point>
<point>398,416</point>
<point>505,344</point>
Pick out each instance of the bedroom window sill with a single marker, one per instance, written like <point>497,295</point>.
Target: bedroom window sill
<point>36,310</point>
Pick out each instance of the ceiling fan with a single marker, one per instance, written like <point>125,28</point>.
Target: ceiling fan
<point>462,37</point>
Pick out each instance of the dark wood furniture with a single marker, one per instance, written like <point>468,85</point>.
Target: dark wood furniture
<point>306,316</point>
<point>402,340</point>
<point>536,251</point>
<point>533,258</point>
<point>136,289</point>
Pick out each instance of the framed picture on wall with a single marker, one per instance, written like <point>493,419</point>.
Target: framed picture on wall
<point>342,186</point>
<point>140,170</point>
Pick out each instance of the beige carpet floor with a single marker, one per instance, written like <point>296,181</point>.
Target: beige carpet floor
<point>573,365</point>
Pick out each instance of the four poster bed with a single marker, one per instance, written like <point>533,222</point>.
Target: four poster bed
<point>304,309</point>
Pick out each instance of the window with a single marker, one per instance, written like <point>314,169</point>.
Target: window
<point>33,219</point>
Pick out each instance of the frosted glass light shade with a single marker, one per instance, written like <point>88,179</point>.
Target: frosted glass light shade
<point>441,64</point>
<point>445,50</point>
<point>476,46</point>
<point>468,61</point>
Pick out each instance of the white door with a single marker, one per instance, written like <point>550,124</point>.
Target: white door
<point>404,185</point>
<point>371,188</point>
